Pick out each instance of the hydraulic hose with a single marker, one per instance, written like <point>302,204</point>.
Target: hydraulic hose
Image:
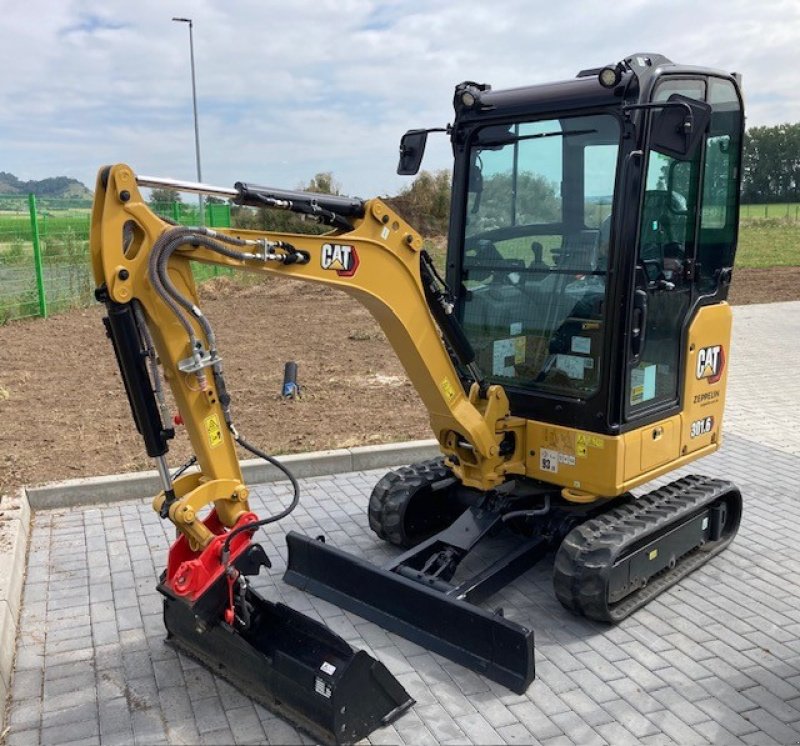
<point>274,518</point>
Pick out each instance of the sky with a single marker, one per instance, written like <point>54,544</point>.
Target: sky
<point>289,89</point>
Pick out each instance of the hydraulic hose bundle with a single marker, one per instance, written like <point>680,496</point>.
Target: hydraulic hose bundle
<point>158,261</point>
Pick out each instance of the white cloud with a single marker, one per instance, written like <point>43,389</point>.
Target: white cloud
<point>289,89</point>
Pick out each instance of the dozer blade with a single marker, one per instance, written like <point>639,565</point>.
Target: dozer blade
<point>467,634</point>
<point>294,666</point>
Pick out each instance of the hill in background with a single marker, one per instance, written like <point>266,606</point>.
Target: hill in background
<point>61,187</point>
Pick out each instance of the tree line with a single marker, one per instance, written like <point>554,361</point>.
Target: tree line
<point>771,164</point>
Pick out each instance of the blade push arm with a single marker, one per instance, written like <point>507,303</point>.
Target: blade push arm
<point>141,259</point>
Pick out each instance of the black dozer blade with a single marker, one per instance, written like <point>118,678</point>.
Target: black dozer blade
<point>294,666</point>
<point>463,632</point>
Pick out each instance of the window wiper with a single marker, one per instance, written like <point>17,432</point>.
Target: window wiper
<point>519,138</point>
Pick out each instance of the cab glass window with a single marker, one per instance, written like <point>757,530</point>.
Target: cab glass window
<point>720,186</point>
<point>536,243</point>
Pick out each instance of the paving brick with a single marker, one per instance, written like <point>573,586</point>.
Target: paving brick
<point>495,712</point>
<point>63,731</point>
<point>676,703</point>
<point>115,717</point>
<point>27,684</point>
<point>23,738</point>
<point>417,733</point>
<point>515,734</point>
<point>632,720</point>
<point>535,721</point>
<point>721,713</point>
<point>775,729</point>
<point>675,728</point>
<point>25,714</point>
<point>581,704</point>
<point>439,722</point>
<point>245,725</point>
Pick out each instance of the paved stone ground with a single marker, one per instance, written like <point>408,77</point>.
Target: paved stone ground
<point>714,660</point>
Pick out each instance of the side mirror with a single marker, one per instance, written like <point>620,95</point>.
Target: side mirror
<point>412,148</point>
<point>678,129</point>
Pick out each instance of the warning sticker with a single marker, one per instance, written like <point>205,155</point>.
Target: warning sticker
<point>322,688</point>
<point>507,353</point>
<point>214,430</point>
<point>585,441</point>
<point>449,390</point>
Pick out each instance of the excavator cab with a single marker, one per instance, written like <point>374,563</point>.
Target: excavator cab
<point>581,247</point>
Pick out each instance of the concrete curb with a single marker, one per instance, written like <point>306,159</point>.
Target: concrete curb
<point>15,521</point>
<point>145,484</point>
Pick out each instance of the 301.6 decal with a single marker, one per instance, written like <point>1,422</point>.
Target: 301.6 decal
<point>701,427</point>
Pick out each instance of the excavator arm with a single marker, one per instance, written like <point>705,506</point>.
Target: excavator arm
<point>143,272</point>
<point>143,263</point>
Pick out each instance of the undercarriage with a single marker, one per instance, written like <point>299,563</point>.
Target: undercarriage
<point>611,558</point>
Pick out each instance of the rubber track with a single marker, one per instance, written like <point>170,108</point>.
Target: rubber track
<point>587,554</point>
<point>392,493</point>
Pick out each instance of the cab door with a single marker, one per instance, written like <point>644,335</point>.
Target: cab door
<point>663,280</point>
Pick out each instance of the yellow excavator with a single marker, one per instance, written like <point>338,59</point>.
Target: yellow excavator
<point>574,347</point>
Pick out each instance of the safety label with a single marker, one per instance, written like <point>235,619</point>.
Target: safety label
<point>213,430</point>
<point>549,460</point>
<point>322,688</point>
<point>449,390</point>
<point>582,345</point>
<point>585,441</point>
<point>506,354</point>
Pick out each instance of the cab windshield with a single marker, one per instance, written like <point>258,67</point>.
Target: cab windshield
<point>536,243</point>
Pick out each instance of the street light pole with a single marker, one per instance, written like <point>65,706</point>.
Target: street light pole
<point>194,104</point>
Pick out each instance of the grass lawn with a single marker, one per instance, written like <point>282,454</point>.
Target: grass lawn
<point>771,242</point>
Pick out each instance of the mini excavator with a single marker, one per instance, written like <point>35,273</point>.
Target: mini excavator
<point>575,347</point>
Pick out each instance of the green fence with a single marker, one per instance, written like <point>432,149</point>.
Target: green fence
<point>44,252</point>
<point>784,210</point>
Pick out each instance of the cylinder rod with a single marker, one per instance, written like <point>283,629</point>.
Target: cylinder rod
<point>185,186</point>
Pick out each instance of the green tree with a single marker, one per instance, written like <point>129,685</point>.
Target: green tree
<point>164,196</point>
<point>425,204</point>
<point>323,183</point>
<point>771,164</point>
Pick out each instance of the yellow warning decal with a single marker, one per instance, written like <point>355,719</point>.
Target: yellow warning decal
<point>449,390</point>
<point>653,554</point>
<point>214,430</point>
<point>585,441</point>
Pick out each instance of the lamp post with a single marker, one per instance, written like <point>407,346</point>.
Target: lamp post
<point>194,103</point>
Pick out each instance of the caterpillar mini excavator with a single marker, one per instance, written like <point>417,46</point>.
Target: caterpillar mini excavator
<point>575,348</point>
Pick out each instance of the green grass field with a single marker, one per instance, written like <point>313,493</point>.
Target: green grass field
<point>770,242</point>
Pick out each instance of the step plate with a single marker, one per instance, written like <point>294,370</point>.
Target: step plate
<point>467,634</point>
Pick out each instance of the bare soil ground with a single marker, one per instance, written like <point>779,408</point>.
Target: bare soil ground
<point>64,412</point>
